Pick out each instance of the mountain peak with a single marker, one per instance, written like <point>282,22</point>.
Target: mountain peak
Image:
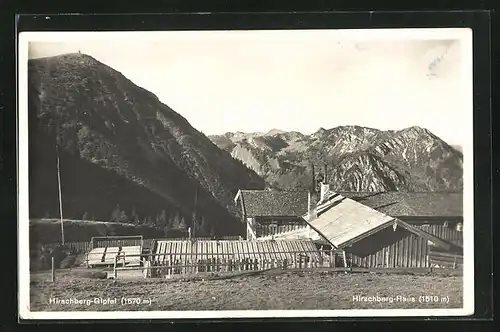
<point>76,56</point>
<point>129,144</point>
<point>417,129</point>
<point>320,131</point>
<point>360,158</point>
<point>274,131</point>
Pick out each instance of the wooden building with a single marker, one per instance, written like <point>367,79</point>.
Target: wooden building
<point>236,250</point>
<point>369,238</point>
<point>437,213</point>
<point>270,212</point>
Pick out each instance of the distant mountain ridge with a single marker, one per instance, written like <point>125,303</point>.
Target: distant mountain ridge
<point>125,156</point>
<point>358,158</point>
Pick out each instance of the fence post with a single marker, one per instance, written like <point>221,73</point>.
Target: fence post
<point>53,274</point>
<point>115,272</point>
<point>145,270</point>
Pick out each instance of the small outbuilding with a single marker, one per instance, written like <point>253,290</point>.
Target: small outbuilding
<point>437,213</point>
<point>270,212</point>
<point>369,238</point>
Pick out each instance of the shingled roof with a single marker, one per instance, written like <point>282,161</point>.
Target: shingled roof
<point>411,204</point>
<point>346,221</point>
<point>289,203</point>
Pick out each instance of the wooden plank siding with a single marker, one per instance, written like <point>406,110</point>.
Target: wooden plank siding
<point>444,232</point>
<point>265,226</point>
<point>389,249</point>
<point>445,260</point>
<point>271,229</point>
<point>185,250</point>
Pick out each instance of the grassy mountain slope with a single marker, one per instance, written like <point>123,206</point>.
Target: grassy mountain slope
<point>124,154</point>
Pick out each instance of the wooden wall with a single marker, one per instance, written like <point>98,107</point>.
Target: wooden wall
<point>444,232</point>
<point>389,248</point>
<point>272,226</point>
<point>442,227</point>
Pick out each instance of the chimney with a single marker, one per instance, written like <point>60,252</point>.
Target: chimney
<point>313,182</point>
<point>312,201</point>
<point>325,189</point>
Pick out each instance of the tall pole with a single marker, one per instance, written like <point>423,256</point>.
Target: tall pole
<point>60,196</point>
<point>195,214</point>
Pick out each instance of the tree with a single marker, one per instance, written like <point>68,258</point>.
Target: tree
<point>118,215</point>
<point>203,226</point>
<point>162,219</point>
<point>170,221</point>
<point>176,222</point>
<point>182,224</point>
<point>194,223</point>
<point>136,219</point>
<point>179,222</point>
<point>212,230</point>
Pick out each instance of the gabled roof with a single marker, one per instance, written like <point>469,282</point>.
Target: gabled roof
<point>411,204</point>
<point>236,249</point>
<point>289,203</point>
<point>343,221</point>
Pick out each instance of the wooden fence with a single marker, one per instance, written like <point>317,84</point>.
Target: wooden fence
<point>76,247</point>
<point>167,265</point>
<point>86,246</point>
<point>445,260</point>
<point>116,241</point>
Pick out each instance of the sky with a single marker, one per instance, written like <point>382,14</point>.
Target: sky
<point>255,81</point>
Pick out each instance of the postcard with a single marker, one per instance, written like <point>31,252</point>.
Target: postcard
<point>245,173</point>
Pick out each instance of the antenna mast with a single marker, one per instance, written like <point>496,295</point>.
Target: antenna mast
<point>195,212</point>
<point>60,196</point>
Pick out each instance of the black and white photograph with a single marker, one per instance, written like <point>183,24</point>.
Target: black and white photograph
<point>246,173</point>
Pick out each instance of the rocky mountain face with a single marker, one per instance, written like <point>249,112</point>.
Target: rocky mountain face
<point>357,158</point>
<point>124,156</point>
